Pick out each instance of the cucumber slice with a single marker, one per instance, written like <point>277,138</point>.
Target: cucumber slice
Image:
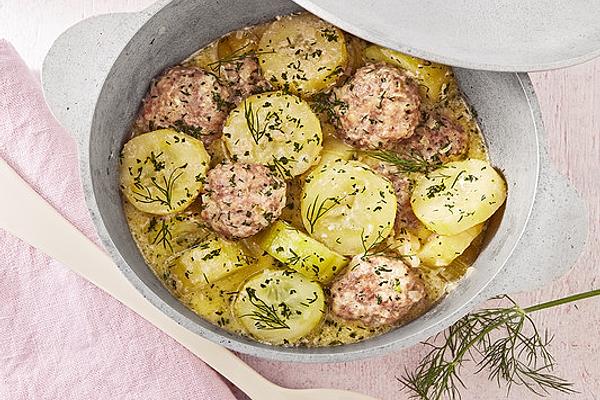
<point>237,44</point>
<point>335,149</point>
<point>159,238</point>
<point>458,196</point>
<point>274,129</point>
<point>432,77</point>
<point>211,259</point>
<point>162,172</point>
<point>302,54</point>
<point>348,207</point>
<point>204,58</point>
<point>280,306</point>
<point>300,252</point>
<point>440,251</point>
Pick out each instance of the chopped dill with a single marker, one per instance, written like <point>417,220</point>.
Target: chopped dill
<point>327,103</point>
<point>280,167</point>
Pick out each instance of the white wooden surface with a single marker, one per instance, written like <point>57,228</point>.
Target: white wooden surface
<point>570,101</point>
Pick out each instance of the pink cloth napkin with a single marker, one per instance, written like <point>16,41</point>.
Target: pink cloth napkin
<point>61,337</point>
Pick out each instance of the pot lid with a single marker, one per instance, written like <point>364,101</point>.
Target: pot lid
<point>498,35</point>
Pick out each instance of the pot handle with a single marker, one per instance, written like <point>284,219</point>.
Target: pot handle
<point>553,238</point>
<point>79,61</point>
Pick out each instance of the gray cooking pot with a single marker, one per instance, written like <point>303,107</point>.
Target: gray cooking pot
<point>96,74</point>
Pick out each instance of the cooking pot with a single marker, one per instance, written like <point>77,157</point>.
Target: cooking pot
<point>97,72</point>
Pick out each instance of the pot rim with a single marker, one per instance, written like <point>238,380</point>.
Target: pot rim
<point>301,354</point>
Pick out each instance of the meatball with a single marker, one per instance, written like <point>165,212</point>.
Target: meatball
<point>377,108</point>
<point>405,217</point>
<point>242,199</point>
<point>376,290</point>
<point>244,78</point>
<point>187,99</point>
<point>437,140</point>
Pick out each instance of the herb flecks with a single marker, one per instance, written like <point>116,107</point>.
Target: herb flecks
<point>194,131</point>
<point>330,34</point>
<point>330,105</point>
<point>265,315</point>
<point>281,166</point>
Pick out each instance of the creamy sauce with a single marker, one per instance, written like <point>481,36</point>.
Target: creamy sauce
<point>161,238</point>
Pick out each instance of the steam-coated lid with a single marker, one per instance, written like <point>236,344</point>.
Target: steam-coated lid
<point>499,35</point>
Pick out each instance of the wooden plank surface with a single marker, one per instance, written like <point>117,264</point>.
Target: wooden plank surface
<point>570,101</point>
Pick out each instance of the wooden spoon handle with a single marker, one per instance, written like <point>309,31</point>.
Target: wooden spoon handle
<point>26,215</point>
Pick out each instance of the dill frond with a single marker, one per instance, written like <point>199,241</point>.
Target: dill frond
<point>163,190</point>
<point>502,341</point>
<point>318,209</point>
<point>164,236</point>
<point>405,162</point>
<point>264,315</point>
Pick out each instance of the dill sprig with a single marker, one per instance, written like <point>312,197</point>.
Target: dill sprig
<point>373,249</point>
<point>296,258</point>
<point>164,236</point>
<point>405,162</point>
<point>281,166</point>
<point>503,341</point>
<point>253,122</point>
<point>236,55</point>
<point>265,315</point>
<point>270,122</point>
<point>317,209</point>
<point>378,249</point>
<point>145,195</point>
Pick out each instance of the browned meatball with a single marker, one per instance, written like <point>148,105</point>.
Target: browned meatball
<point>377,108</point>
<point>244,78</point>
<point>403,186</point>
<point>438,140</point>
<point>242,199</point>
<point>188,99</point>
<point>376,290</point>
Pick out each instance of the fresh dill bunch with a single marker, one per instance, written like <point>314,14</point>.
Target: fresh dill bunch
<point>503,341</point>
<point>406,162</point>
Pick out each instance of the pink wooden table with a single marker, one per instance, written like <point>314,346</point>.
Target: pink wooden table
<point>570,101</point>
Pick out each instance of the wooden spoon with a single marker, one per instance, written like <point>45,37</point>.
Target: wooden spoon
<point>46,230</point>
